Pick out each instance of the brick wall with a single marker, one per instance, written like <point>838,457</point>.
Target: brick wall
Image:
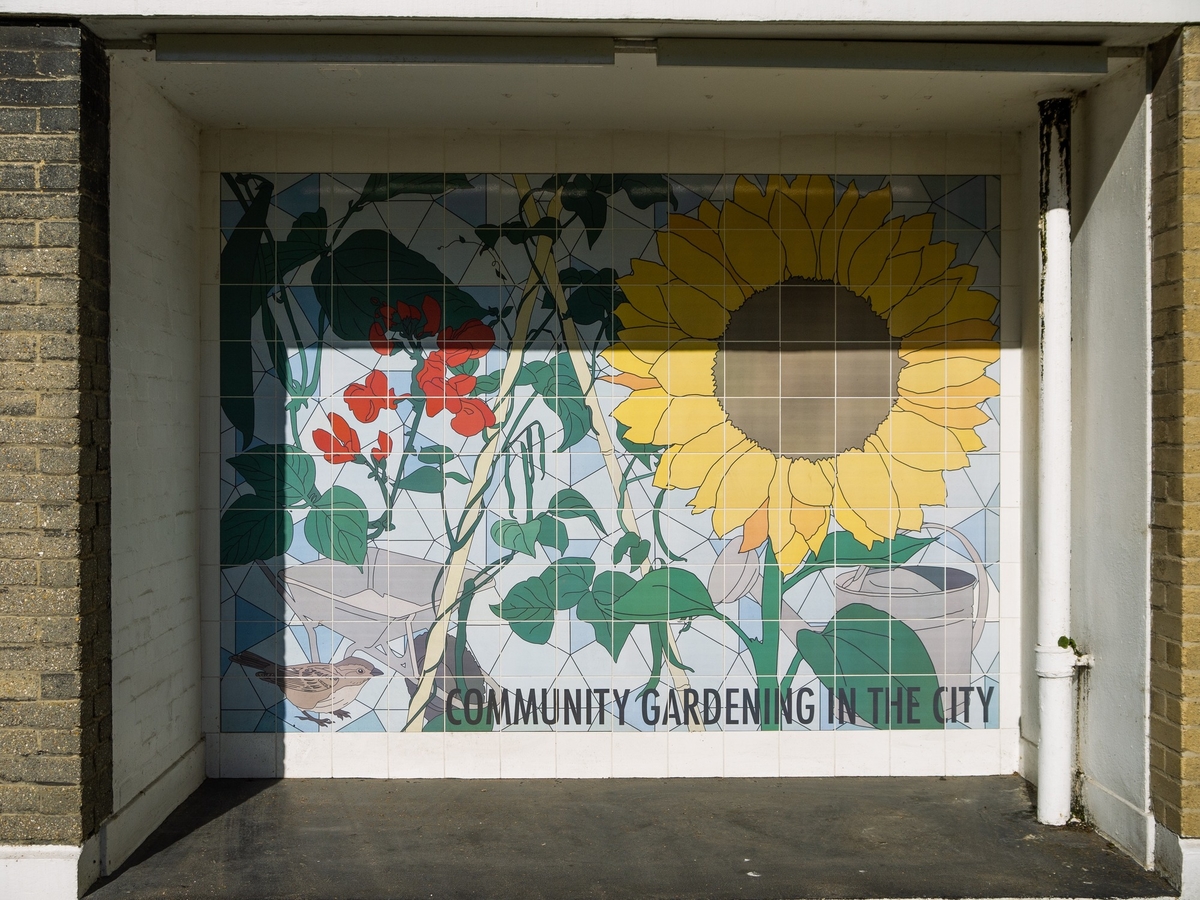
<point>1175,538</point>
<point>55,643</point>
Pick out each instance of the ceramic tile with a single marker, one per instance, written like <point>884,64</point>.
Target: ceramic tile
<point>653,465</point>
<point>306,756</point>
<point>640,755</point>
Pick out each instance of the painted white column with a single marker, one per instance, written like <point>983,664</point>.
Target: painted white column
<point>1055,664</point>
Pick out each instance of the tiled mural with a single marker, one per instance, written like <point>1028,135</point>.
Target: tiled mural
<point>609,452</point>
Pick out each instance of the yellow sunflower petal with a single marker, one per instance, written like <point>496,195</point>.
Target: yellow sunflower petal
<point>630,317</point>
<point>642,411</point>
<point>970,304</point>
<point>915,489</point>
<point>753,250</point>
<point>870,258</point>
<point>796,235</point>
<point>956,395</point>
<point>945,416</point>
<point>961,330</point>
<point>754,531</point>
<point>688,465</point>
<point>919,307</point>
<point>915,233</point>
<point>687,418</point>
<point>818,202</point>
<point>920,443</point>
<point>831,234</point>
<point>894,282</point>
<point>687,369</point>
<point>695,312</point>
<point>779,506</point>
<point>792,554</point>
<point>862,221</point>
<point>706,493</point>
<point>810,482</point>
<point>810,522</point>
<point>649,342</point>
<point>968,439</point>
<point>709,214</point>
<point>935,260</point>
<point>621,357</point>
<point>864,502</point>
<point>743,489</point>
<point>749,197</point>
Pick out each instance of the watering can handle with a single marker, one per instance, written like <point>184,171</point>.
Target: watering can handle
<point>982,581</point>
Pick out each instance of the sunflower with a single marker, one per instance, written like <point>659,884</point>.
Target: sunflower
<point>804,356</point>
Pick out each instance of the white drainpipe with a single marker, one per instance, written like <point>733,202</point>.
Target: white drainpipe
<point>1055,664</point>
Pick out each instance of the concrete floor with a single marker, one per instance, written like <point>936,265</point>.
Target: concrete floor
<point>753,838</point>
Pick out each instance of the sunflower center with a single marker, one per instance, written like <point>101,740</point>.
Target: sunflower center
<point>807,369</point>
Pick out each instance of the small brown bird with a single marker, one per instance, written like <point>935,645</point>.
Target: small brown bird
<point>323,687</point>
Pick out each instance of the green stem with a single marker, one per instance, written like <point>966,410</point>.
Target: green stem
<point>767,667</point>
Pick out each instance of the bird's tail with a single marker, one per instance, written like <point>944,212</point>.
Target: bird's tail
<point>251,660</point>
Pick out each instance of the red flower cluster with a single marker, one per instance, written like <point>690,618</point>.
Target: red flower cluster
<point>443,390</point>
<point>405,319</point>
<point>340,447</point>
<point>369,399</point>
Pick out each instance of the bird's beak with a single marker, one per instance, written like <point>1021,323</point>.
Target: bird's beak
<point>375,671</point>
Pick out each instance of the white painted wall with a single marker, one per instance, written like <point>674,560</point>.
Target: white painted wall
<point>1111,501</point>
<point>157,757</point>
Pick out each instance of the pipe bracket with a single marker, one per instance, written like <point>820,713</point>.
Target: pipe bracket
<point>1054,662</point>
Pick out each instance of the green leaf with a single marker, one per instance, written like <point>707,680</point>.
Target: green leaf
<point>470,367</point>
<point>841,549</point>
<point>645,453</point>
<point>456,476</point>
<point>305,241</point>
<point>486,384</point>
<point>519,537</point>
<point>864,648</point>
<point>337,526</point>
<point>277,472</point>
<point>425,480</point>
<point>552,533</point>
<point>252,528</point>
<point>587,200</point>
<point>385,187</point>
<point>566,400</point>
<point>529,610</point>
<point>577,565</point>
<point>626,543</point>
<point>438,454</point>
<point>611,586</point>
<point>242,291</point>
<point>566,586</point>
<point>370,268</point>
<point>597,608</point>
<point>570,504</point>
<point>644,191</point>
<point>517,232</point>
<point>664,594</point>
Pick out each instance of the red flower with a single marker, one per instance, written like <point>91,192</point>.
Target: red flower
<point>472,417</point>
<point>433,314</point>
<point>470,340</point>
<point>341,446</point>
<point>379,342</point>
<point>367,400</point>
<point>380,453</point>
<point>442,392</point>
<point>406,311</point>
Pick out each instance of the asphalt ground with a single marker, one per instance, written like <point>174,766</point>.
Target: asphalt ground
<point>622,838</point>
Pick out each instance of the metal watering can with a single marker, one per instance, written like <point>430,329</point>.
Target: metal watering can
<point>936,602</point>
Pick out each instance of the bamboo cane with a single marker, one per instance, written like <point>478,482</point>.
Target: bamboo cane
<point>435,646</point>
<point>587,382</point>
